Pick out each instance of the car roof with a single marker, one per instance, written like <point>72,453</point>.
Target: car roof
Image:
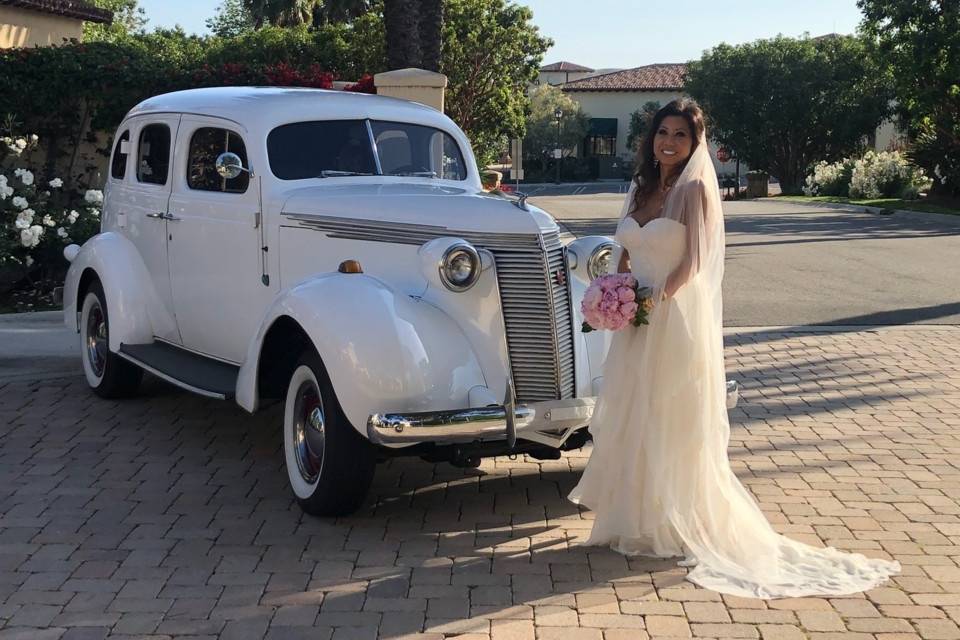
<point>263,108</point>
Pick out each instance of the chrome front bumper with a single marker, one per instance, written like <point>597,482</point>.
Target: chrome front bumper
<point>500,422</point>
<point>479,423</point>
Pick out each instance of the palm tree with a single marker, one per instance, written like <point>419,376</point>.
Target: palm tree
<point>431,33</point>
<point>329,11</point>
<point>414,33</point>
<point>401,20</point>
<point>283,13</point>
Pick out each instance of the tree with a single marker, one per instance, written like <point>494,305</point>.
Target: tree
<point>785,104</point>
<point>414,30</point>
<point>639,122</point>
<point>920,41</point>
<point>337,11</point>
<point>128,19</point>
<point>232,19</point>
<point>280,13</point>
<point>492,52</point>
<point>541,125</point>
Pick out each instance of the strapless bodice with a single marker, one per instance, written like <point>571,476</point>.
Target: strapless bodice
<point>655,249</point>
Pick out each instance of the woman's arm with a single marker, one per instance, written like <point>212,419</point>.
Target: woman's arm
<point>623,266</point>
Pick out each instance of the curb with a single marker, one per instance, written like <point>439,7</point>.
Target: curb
<point>907,214</point>
<point>32,316</point>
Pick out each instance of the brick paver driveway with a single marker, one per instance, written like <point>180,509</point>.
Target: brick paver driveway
<point>169,516</point>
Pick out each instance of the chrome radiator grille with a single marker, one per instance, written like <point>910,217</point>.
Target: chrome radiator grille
<point>540,344</point>
<point>535,303</point>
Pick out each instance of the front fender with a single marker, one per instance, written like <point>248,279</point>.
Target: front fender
<point>135,310</point>
<point>384,351</point>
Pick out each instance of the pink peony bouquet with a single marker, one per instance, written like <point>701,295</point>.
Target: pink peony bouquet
<point>615,301</point>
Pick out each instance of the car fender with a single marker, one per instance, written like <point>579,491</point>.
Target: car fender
<point>133,306</point>
<point>596,343</point>
<point>384,350</point>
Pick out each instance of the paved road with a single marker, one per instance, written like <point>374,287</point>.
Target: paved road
<point>168,516</point>
<point>790,264</point>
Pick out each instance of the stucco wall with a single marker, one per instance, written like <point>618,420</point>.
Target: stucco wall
<point>27,28</point>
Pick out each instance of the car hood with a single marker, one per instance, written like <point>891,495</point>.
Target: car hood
<point>434,205</point>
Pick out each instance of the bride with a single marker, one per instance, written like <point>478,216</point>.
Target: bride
<point>658,478</point>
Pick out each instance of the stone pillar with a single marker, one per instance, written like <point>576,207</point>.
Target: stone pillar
<point>418,85</point>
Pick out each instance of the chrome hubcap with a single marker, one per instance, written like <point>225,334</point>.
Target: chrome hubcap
<point>96,339</point>
<point>309,431</point>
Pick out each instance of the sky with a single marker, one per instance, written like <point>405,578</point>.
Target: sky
<point>623,33</point>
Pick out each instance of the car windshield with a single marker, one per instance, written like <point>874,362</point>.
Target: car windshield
<point>343,148</point>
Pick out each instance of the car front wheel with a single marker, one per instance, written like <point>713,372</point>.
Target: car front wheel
<point>109,375</point>
<point>330,466</point>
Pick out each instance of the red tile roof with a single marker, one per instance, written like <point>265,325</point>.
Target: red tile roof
<point>652,77</point>
<point>67,8</point>
<point>564,66</point>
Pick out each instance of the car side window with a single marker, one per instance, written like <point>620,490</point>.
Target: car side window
<point>153,154</point>
<point>118,168</point>
<point>206,145</point>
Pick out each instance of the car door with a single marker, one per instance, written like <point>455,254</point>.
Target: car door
<point>145,202</point>
<point>215,270</point>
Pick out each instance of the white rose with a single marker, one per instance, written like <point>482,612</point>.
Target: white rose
<point>20,202</point>
<point>72,216</point>
<point>28,261</point>
<point>26,177</point>
<point>95,213</point>
<point>34,137</point>
<point>47,220</point>
<point>62,232</point>
<point>93,196</point>
<point>30,238</point>
<point>24,220</point>
<point>56,183</point>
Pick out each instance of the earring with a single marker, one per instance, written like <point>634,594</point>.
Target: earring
<point>656,163</point>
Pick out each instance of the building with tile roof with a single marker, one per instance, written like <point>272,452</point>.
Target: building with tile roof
<point>31,23</point>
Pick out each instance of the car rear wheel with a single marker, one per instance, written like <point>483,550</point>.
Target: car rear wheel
<point>109,375</point>
<point>329,465</point>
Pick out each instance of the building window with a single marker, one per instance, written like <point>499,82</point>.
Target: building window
<point>600,146</point>
<point>601,137</point>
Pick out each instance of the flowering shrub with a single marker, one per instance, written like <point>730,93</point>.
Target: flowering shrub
<point>37,216</point>
<point>885,174</point>
<point>830,179</point>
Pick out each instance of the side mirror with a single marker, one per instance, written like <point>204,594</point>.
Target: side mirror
<point>229,165</point>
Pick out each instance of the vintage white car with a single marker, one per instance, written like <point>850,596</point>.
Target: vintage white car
<point>335,252</point>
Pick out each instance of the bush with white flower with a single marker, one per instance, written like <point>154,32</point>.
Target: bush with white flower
<point>884,174</point>
<point>830,179</point>
<point>887,174</point>
<point>38,217</point>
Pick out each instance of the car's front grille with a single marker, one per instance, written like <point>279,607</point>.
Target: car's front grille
<point>533,291</point>
<point>536,310</point>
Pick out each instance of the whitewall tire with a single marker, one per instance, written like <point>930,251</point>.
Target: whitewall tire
<point>329,465</point>
<point>107,374</point>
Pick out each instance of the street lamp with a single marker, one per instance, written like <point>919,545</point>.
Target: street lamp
<point>557,152</point>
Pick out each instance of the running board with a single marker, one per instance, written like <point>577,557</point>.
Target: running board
<point>188,370</point>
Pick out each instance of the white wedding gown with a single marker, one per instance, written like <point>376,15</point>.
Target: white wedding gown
<point>659,480</point>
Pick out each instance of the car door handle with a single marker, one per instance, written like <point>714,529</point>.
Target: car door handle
<point>171,218</point>
<point>156,216</point>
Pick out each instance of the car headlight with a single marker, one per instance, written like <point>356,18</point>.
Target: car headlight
<point>460,267</point>
<point>599,262</point>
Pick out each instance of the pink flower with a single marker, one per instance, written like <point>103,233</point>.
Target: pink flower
<point>626,294</point>
<point>629,309</point>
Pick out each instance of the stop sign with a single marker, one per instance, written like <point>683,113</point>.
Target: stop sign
<point>723,154</point>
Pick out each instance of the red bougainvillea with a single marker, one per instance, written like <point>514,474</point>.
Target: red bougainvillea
<point>363,85</point>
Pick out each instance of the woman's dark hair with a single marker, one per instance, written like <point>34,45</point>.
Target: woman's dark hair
<point>647,174</point>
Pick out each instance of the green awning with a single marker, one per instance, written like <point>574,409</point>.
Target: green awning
<point>603,127</point>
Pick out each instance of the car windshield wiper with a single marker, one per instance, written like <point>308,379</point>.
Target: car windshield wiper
<point>415,174</point>
<point>333,173</point>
